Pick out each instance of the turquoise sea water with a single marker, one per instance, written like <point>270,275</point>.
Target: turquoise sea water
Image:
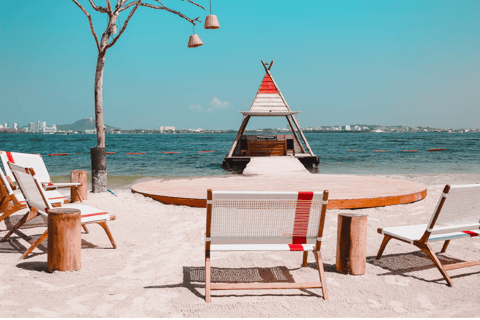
<point>462,154</point>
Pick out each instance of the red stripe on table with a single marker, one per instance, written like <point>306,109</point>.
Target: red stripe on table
<point>57,198</point>
<point>471,233</point>
<point>295,247</point>
<point>93,214</point>
<point>302,214</point>
<point>10,157</point>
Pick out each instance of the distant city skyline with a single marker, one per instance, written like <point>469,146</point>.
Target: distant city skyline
<point>410,63</point>
<point>41,127</point>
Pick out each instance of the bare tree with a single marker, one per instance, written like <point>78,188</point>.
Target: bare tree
<point>99,162</point>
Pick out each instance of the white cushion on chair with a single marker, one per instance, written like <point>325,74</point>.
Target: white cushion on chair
<point>89,214</point>
<point>415,232</point>
<point>259,247</point>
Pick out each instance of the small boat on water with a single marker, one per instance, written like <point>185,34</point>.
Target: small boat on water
<point>269,102</point>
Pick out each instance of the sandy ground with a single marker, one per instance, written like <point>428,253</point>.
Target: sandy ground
<point>157,270</point>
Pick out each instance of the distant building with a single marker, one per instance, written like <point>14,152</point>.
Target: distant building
<point>1,126</point>
<point>346,128</point>
<point>5,125</point>
<point>15,125</point>
<point>91,131</point>
<point>167,129</point>
<point>31,127</point>
<point>51,129</point>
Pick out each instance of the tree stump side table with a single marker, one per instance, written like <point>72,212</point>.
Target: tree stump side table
<point>351,243</point>
<point>64,240</point>
<point>81,177</point>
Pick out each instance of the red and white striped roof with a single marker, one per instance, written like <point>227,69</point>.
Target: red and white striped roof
<point>269,100</point>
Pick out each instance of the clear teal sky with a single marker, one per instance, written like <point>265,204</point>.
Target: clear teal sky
<point>339,62</point>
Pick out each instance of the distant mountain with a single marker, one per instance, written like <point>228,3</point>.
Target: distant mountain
<point>82,125</point>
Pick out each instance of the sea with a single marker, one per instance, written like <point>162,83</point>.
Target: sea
<point>339,153</point>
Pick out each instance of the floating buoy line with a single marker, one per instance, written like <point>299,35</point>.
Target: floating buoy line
<point>209,151</point>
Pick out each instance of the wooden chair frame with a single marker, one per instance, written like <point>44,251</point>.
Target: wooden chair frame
<point>10,204</point>
<point>423,245</point>
<point>248,286</point>
<point>6,157</point>
<point>34,212</point>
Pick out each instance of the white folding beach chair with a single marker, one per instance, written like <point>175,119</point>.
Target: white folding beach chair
<point>265,221</point>
<point>456,216</point>
<point>38,203</point>
<point>35,161</point>
<point>13,201</point>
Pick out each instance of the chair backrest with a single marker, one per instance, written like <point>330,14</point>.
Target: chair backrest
<point>27,160</point>
<point>31,188</point>
<point>266,217</point>
<point>458,209</point>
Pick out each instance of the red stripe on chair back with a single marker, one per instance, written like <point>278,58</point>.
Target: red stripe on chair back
<point>10,157</point>
<point>302,214</point>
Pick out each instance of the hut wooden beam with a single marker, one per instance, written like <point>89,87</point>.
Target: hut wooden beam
<point>239,134</point>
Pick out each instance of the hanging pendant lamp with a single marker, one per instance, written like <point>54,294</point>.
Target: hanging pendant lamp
<point>194,40</point>
<point>211,21</point>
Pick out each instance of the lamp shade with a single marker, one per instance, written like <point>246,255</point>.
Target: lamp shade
<point>194,41</point>
<point>211,22</point>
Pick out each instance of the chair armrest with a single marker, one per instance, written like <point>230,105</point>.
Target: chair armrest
<point>61,185</point>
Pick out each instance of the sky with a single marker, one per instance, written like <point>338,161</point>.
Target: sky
<point>412,63</point>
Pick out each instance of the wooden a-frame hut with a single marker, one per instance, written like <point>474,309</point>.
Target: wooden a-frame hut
<point>269,102</point>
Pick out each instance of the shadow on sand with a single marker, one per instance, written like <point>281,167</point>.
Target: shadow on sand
<point>194,278</point>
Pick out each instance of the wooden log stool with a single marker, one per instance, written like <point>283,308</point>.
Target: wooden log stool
<point>64,240</point>
<point>351,243</point>
<point>80,192</point>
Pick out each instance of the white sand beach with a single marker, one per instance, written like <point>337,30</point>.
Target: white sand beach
<point>157,269</point>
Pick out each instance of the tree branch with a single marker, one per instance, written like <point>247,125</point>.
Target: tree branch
<point>90,21</point>
<point>109,8</point>
<point>178,13</point>
<point>97,8</point>
<point>138,3</point>
<point>127,6</point>
<point>196,4</point>
<point>120,3</point>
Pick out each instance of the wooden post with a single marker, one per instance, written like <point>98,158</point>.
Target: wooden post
<point>81,177</point>
<point>64,240</point>
<point>351,243</point>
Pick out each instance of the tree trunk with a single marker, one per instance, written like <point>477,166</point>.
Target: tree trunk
<point>99,167</point>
